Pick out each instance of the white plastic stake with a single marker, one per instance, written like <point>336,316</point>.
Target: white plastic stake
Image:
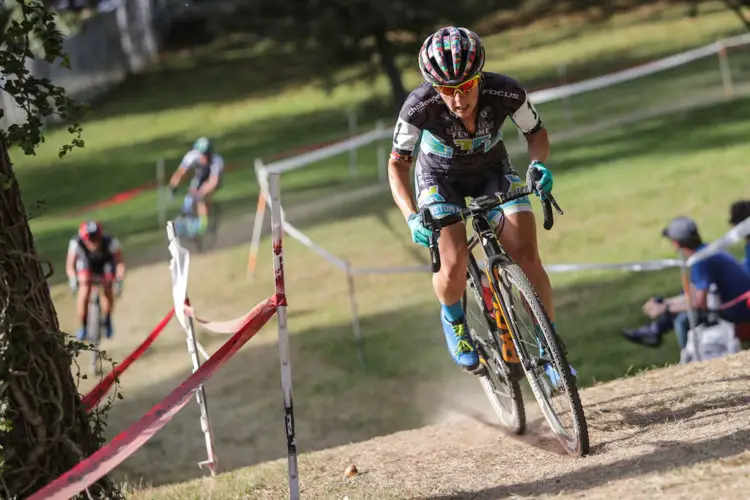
<point>200,395</point>
<point>161,195</point>
<point>277,231</point>
<point>179,268</point>
<point>353,151</point>
<point>355,313</point>
<point>567,109</point>
<point>726,72</point>
<point>260,211</point>
<point>382,158</point>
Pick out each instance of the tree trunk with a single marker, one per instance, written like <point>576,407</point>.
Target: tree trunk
<point>736,6</point>
<point>387,59</point>
<point>44,430</point>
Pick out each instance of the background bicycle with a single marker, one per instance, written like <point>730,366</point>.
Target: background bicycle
<point>187,223</point>
<point>95,325</point>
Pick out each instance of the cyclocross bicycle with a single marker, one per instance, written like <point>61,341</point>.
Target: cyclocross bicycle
<point>94,326</point>
<point>188,217</point>
<point>511,329</point>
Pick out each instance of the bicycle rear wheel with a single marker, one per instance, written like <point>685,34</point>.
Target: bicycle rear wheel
<point>560,403</point>
<point>502,390</point>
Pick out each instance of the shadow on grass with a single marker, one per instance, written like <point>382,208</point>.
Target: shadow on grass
<point>336,401</point>
<point>691,131</point>
<point>228,70</point>
<point>89,177</point>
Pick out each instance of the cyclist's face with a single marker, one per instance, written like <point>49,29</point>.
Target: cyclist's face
<point>203,158</point>
<point>462,104</point>
<point>93,243</point>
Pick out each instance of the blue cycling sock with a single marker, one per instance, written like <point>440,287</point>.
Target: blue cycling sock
<point>453,312</point>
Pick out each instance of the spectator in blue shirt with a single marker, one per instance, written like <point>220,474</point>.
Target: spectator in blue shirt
<point>739,211</point>
<point>721,268</point>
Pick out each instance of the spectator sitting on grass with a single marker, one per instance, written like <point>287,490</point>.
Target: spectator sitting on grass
<point>739,211</point>
<point>721,268</point>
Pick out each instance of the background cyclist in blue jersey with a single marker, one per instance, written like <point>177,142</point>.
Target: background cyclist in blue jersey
<point>208,168</point>
<point>456,117</point>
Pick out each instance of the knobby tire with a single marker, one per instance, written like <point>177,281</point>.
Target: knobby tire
<point>513,274</point>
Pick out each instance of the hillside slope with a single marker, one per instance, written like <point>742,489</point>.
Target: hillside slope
<point>677,432</point>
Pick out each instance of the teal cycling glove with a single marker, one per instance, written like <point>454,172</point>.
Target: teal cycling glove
<point>546,180</point>
<point>419,234</point>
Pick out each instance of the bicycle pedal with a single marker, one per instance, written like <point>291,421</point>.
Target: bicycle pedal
<point>479,370</point>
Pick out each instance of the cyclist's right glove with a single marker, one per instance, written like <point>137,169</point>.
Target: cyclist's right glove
<point>419,234</point>
<point>73,284</point>
<point>544,185</point>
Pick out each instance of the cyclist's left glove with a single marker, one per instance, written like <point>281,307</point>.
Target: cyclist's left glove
<point>118,287</point>
<point>73,284</point>
<point>546,181</point>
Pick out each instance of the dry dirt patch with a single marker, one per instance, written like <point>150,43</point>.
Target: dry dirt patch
<point>678,432</point>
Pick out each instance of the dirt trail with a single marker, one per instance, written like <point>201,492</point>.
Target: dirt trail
<point>679,432</point>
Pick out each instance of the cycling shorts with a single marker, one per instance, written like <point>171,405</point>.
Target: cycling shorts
<point>445,191</point>
<point>197,183</point>
<point>86,269</point>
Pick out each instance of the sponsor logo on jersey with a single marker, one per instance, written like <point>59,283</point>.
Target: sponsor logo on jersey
<point>422,104</point>
<point>429,196</point>
<point>431,144</point>
<point>514,181</point>
<point>502,93</point>
<point>482,143</point>
<point>442,209</point>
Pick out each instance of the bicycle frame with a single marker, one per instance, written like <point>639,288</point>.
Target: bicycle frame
<point>497,257</point>
<point>483,235</point>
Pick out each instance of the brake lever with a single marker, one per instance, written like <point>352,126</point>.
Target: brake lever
<point>428,221</point>
<point>554,203</point>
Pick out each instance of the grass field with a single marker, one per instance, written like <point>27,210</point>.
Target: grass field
<point>618,188</point>
<point>410,380</point>
<point>146,119</point>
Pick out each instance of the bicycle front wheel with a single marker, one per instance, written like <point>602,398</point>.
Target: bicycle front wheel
<point>538,347</point>
<point>94,332</point>
<point>501,388</point>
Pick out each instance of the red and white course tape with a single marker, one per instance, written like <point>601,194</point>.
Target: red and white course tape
<point>130,440</point>
<point>96,394</point>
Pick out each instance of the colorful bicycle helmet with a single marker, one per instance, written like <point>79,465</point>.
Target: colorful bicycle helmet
<point>90,231</point>
<point>203,145</point>
<point>451,56</point>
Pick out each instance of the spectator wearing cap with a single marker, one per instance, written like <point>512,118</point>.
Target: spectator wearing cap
<point>721,268</point>
<point>738,212</point>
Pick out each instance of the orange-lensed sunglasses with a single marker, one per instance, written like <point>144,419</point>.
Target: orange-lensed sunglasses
<point>463,88</point>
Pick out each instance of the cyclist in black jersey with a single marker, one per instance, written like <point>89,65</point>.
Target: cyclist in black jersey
<point>455,119</point>
<point>94,256</point>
